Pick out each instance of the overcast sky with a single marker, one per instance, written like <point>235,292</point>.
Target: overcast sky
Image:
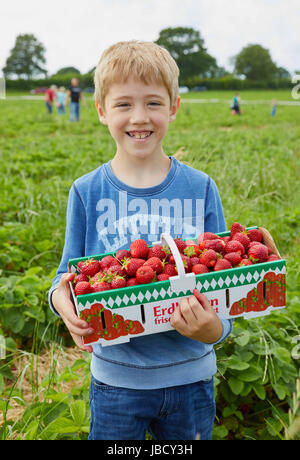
<point>76,35</point>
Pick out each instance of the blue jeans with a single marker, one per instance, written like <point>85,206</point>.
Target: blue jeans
<point>74,111</point>
<point>49,107</point>
<point>184,412</point>
<point>61,109</point>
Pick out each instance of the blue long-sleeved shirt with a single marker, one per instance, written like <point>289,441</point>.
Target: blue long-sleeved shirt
<point>104,215</point>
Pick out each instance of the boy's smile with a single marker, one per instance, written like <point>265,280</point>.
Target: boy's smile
<point>138,116</point>
<point>139,135</point>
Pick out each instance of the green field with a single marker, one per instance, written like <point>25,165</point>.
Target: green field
<point>255,161</point>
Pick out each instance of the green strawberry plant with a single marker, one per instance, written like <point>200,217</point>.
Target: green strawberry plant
<point>256,378</point>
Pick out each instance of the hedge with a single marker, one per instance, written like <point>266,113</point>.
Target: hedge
<point>85,81</point>
<point>224,83</point>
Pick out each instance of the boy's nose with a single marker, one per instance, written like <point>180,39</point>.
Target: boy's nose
<point>139,116</point>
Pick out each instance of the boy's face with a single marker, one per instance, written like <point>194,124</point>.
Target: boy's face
<point>138,117</point>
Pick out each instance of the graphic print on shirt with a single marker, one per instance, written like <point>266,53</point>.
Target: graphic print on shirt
<point>118,224</point>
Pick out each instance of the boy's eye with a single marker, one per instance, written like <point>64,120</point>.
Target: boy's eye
<point>154,103</point>
<point>123,104</point>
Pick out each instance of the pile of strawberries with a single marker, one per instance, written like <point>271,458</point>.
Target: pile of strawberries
<point>142,265</point>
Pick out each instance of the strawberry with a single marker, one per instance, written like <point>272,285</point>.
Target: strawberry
<point>225,239</point>
<point>118,282</point>
<point>89,267</point>
<point>252,243</point>
<point>172,260</point>
<point>107,261</point>
<point>99,286</point>
<point>83,287</point>
<point>234,258</point>
<point>157,251</point>
<point>163,277</point>
<point>222,264</point>
<point>236,228</point>
<point>122,253</point>
<point>242,238</point>
<point>115,270</point>
<point>207,236</point>
<point>195,260</point>
<point>80,277</point>
<point>198,269</point>
<point>156,264</point>
<point>245,262</point>
<point>209,258</point>
<point>132,282</point>
<point>217,245</point>
<point>191,250</point>
<point>170,269</point>
<point>139,249</point>
<point>272,257</point>
<point>238,307</point>
<point>135,327</point>
<point>234,246</point>
<point>258,253</point>
<point>191,243</point>
<point>255,235</point>
<point>110,333</point>
<point>181,245</point>
<point>98,277</point>
<point>132,264</point>
<point>186,263</point>
<point>145,274</point>
<point>96,309</point>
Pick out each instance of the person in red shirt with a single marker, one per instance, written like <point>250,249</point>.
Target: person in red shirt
<point>50,95</point>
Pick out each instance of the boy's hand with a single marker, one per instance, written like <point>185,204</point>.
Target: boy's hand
<point>61,299</point>
<point>195,318</point>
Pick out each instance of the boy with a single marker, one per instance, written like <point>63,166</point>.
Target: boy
<point>162,383</point>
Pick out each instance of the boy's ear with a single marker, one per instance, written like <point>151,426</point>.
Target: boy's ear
<point>174,109</point>
<point>101,114</point>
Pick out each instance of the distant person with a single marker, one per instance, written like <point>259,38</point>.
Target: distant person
<point>273,107</point>
<point>236,110</point>
<point>74,92</point>
<point>50,95</point>
<point>61,97</point>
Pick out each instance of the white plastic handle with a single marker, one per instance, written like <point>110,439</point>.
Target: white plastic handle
<point>183,281</point>
<point>166,239</point>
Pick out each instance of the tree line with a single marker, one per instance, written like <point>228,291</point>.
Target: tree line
<point>253,64</point>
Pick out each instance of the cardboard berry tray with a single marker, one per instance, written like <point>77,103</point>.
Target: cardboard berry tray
<point>118,315</point>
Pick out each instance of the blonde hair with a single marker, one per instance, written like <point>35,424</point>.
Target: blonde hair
<point>145,61</point>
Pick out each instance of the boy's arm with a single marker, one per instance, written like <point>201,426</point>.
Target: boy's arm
<point>74,237</point>
<point>59,294</point>
<point>64,306</point>
<point>74,232</point>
